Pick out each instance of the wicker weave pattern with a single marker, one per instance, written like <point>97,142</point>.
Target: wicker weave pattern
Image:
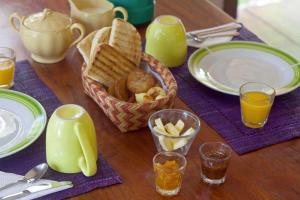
<point>131,116</point>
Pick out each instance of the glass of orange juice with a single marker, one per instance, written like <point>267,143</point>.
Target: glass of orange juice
<point>7,67</point>
<point>169,168</point>
<point>256,102</point>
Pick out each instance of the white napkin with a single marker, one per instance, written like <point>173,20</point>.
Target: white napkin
<point>6,178</point>
<point>213,40</point>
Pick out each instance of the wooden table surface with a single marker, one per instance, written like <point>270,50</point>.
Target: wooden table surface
<point>269,173</point>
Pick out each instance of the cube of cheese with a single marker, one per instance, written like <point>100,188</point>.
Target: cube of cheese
<point>171,129</point>
<point>178,143</point>
<point>166,143</point>
<point>179,125</point>
<point>188,132</point>
<point>160,131</point>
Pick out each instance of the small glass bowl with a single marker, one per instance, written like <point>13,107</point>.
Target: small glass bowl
<point>180,144</point>
<point>168,179</point>
<point>215,158</point>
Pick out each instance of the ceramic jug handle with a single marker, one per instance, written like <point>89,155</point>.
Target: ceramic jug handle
<point>12,21</point>
<point>81,29</point>
<point>87,162</point>
<point>123,11</point>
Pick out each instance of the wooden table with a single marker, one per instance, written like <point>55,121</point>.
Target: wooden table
<point>270,173</point>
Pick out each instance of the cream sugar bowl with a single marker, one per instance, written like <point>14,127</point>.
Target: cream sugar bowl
<point>47,34</point>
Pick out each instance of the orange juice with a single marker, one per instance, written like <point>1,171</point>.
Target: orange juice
<point>7,69</point>
<point>255,108</point>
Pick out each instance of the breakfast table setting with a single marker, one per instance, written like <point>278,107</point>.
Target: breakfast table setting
<point>144,99</point>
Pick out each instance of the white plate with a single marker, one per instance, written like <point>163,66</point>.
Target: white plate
<point>27,118</point>
<point>225,67</point>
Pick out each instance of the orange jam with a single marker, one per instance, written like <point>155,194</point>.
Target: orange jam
<point>168,175</point>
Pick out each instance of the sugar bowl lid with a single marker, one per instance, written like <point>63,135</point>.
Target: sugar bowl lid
<point>47,20</point>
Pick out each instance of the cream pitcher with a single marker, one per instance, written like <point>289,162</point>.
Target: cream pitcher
<point>95,14</point>
<point>47,34</point>
<point>71,144</point>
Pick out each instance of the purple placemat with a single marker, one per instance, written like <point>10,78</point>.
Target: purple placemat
<point>26,81</point>
<point>222,111</point>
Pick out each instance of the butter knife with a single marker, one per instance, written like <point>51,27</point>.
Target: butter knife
<point>36,188</point>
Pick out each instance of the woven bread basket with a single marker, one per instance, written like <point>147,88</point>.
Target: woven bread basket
<point>131,116</point>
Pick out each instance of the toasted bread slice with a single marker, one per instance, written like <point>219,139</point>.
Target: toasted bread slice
<point>119,90</point>
<point>101,36</point>
<point>108,65</point>
<point>126,39</point>
<point>84,46</point>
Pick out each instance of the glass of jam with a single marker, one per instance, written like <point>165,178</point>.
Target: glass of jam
<point>169,168</point>
<point>215,158</point>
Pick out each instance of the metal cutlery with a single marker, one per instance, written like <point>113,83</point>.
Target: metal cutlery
<point>31,176</point>
<point>36,188</point>
<point>199,39</point>
<point>226,27</point>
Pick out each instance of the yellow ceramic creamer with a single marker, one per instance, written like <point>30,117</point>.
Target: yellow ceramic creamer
<point>71,144</point>
<point>95,14</point>
<point>166,40</point>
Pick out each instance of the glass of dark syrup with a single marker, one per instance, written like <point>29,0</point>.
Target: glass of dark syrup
<point>215,158</point>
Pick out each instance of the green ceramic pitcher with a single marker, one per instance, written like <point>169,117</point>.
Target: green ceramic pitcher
<point>139,11</point>
<point>71,144</point>
<point>166,40</point>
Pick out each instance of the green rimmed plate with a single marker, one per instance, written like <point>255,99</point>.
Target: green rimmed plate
<point>22,121</point>
<point>225,67</point>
